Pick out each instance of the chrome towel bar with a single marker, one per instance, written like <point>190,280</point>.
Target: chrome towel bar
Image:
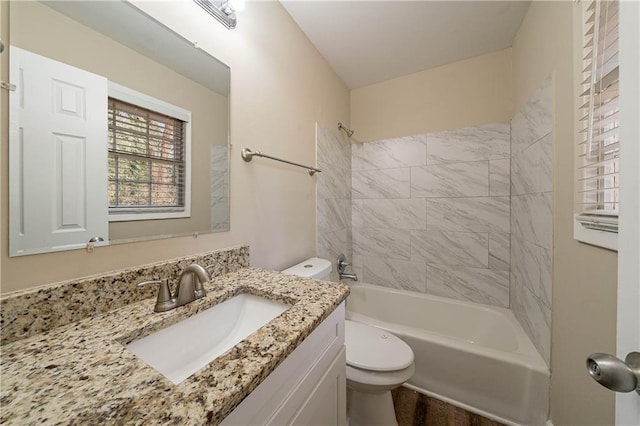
<point>247,155</point>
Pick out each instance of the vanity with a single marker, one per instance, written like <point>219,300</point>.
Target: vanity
<point>289,371</point>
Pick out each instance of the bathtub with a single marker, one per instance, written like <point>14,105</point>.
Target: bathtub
<point>474,356</point>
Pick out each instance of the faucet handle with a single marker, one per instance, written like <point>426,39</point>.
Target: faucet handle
<point>342,263</point>
<point>146,283</point>
<point>165,301</point>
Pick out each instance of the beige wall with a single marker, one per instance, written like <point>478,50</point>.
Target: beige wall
<point>280,86</point>
<point>584,277</point>
<point>465,93</point>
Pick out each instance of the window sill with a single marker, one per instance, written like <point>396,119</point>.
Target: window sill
<point>146,215</point>
<point>604,239</point>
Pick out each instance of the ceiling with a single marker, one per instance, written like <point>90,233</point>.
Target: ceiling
<point>367,42</point>
<point>127,25</point>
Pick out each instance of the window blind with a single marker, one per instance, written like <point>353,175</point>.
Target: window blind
<point>146,159</point>
<point>599,111</point>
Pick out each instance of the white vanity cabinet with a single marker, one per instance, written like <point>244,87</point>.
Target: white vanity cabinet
<point>309,387</point>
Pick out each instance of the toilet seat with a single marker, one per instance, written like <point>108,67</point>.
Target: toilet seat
<point>375,350</point>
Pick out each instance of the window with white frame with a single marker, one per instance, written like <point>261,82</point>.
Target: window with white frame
<point>596,221</point>
<point>148,167</point>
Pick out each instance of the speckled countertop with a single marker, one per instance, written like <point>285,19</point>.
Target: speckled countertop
<point>82,373</point>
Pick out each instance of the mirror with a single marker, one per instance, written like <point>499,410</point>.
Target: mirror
<point>120,45</point>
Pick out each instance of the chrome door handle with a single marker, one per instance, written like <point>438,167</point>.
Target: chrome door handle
<point>615,374</point>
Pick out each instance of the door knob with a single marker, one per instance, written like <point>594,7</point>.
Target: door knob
<point>615,374</point>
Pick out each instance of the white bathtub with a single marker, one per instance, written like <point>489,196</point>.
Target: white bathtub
<point>474,356</point>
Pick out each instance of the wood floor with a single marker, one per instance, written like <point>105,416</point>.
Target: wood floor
<point>415,409</point>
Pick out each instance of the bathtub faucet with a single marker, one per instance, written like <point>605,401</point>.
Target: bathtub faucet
<point>342,264</point>
<point>349,276</point>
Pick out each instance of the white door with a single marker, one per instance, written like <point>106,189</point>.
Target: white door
<point>57,155</point>
<point>628,332</point>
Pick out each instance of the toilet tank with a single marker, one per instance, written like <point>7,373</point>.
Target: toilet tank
<point>311,268</point>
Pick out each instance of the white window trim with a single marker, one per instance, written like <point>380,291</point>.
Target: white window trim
<point>131,96</point>
<point>604,239</point>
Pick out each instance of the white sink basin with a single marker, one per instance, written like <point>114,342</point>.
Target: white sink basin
<point>184,348</point>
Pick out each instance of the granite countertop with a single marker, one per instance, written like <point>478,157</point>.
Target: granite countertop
<point>82,373</point>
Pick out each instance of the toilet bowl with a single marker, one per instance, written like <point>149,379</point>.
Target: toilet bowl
<point>377,361</point>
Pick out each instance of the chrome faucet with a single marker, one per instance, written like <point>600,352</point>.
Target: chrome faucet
<point>189,288</point>
<point>342,264</point>
<point>345,275</point>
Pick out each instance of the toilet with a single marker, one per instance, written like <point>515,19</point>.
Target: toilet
<point>377,361</point>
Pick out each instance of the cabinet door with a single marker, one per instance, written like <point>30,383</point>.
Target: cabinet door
<point>279,398</point>
<point>327,403</point>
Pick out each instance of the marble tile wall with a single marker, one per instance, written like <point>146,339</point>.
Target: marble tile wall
<point>220,201</point>
<point>333,196</point>
<point>531,217</point>
<point>465,213</point>
<point>430,213</point>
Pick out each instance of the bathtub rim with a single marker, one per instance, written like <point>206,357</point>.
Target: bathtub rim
<point>526,355</point>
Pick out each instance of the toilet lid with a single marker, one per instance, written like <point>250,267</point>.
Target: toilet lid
<point>372,348</point>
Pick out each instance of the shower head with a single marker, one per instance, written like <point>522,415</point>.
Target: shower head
<point>349,132</point>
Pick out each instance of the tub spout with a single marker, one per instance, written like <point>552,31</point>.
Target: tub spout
<point>353,277</point>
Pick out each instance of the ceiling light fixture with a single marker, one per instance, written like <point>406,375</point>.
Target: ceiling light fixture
<point>224,11</point>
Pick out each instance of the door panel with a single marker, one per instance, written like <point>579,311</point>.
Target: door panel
<point>70,193</point>
<point>628,324</point>
<point>58,155</point>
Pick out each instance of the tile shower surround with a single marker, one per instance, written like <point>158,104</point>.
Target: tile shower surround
<point>334,196</point>
<point>220,220</point>
<point>532,217</point>
<point>430,213</point>
<point>465,213</point>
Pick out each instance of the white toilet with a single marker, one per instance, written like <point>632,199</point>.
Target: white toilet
<point>377,361</point>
